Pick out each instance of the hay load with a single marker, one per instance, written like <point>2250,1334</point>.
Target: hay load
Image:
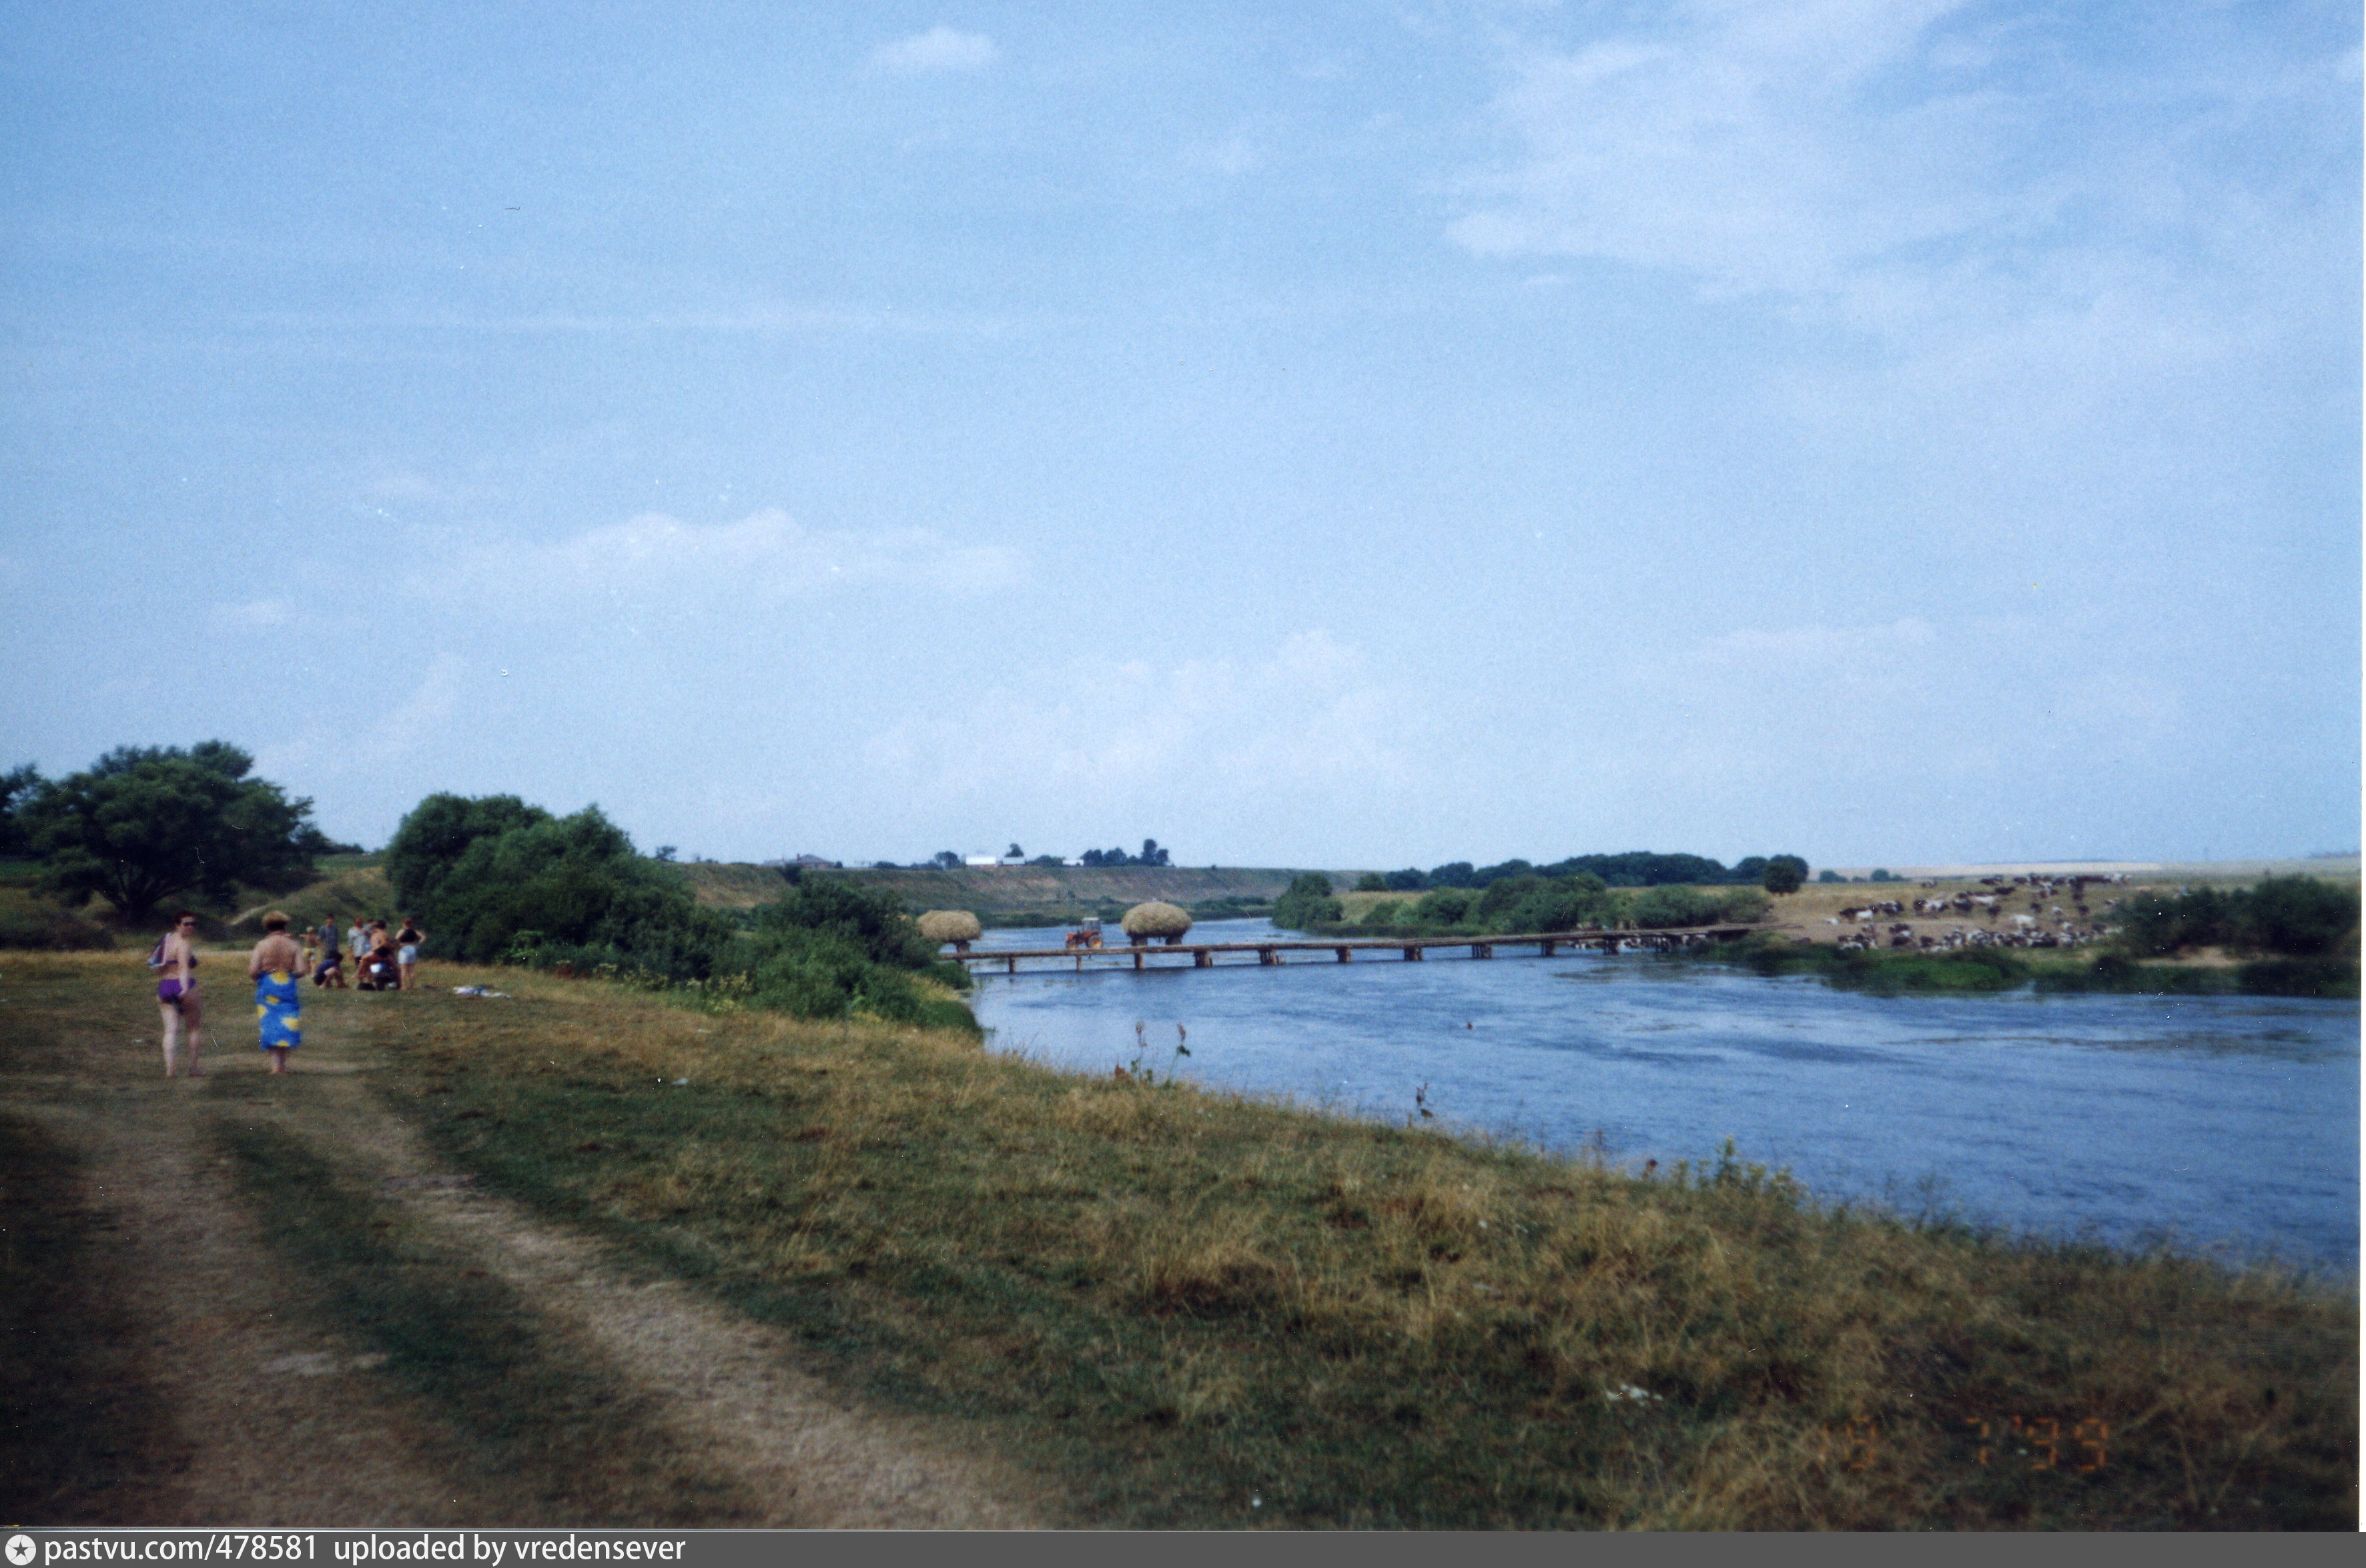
<point>1146,921</point>
<point>956,926</point>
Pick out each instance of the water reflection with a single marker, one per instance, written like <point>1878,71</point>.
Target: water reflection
<point>2229,1122</point>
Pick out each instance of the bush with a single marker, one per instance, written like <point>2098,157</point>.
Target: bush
<point>1307,903</point>
<point>35,923</point>
<point>1371,881</point>
<point>2300,916</point>
<point>1558,904</point>
<point>480,873</point>
<point>1661,907</point>
<point>1445,906</point>
<point>830,949</point>
<point>2295,915</point>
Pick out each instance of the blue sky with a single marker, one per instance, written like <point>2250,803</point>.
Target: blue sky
<point>1341,433</point>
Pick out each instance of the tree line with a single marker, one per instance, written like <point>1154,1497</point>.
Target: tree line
<point>1518,903</point>
<point>491,879</point>
<point>148,823</point>
<point>1633,868</point>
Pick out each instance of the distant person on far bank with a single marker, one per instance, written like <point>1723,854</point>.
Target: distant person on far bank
<point>406,957</point>
<point>331,971</point>
<point>274,966</point>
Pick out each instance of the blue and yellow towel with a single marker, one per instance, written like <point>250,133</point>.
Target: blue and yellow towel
<point>277,1004</point>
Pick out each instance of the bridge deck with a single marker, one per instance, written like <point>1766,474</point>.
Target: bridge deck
<point>1203,955</point>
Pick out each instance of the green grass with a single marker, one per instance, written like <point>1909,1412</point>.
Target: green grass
<point>71,1409</point>
<point>1173,1301</point>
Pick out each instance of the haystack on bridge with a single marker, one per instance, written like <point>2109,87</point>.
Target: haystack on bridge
<point>1239,955</point>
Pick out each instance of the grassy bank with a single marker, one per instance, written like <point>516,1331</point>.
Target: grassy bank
<point>1989,969</point>
<point>1193,1309</point>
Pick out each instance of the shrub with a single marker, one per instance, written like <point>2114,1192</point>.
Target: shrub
<point>1660,908</point>
<point>1371,881</point>
<point>1307,903</point>
<point>1445,906</point>
<point>830,949</point>
<point>2297,916</point>
<point>2300,916</point>
<point>28,921</point>
<point>1558,904</point>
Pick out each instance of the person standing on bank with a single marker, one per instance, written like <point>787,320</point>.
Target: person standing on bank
<point>331,971</point>
<point>276,964</point>
<point>176,993</point>
<point>407,955</point>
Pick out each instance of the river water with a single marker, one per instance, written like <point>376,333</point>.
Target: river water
<point>2227,1125</point>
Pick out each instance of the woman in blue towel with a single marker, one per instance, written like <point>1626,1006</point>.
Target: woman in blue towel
<point>276,964</point>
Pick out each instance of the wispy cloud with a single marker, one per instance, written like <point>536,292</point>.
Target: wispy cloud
<point>754,320</point>
<point>660,563</point>
<point>1896,159</point>
<point>256,615</point>
<point>1195,739</point>
<point>941,49</point>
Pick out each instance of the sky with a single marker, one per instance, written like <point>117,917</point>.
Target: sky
<point>1884,431</point>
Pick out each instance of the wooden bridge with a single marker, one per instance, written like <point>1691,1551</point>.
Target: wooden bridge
<point>1203,955</point>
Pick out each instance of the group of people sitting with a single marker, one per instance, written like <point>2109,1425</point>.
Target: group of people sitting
<point>382,962</point>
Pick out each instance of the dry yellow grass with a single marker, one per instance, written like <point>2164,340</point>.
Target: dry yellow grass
<point>1155,918</point>
<point>1168,1301</point>
<point>1172,1296</point>
<point>941,926</point>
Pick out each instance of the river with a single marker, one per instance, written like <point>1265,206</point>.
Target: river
<point>2228,1125</point>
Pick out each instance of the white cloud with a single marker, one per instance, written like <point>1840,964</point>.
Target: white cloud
<point>1746,144</point>
<point>256,615</point>
<point>657,562</point>
<point>1902,161</point>
<point>941,49</point>
<point>1237,153</point>
<point>1188,743</point>
<point>422,716</point>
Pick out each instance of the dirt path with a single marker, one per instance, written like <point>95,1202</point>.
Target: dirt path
<point>265,1407</point>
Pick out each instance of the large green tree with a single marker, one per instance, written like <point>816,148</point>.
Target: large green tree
<point>144,824</point>
<point>437,832</point>
<point>18,788</point>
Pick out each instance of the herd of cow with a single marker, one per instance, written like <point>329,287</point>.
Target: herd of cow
<point>2030,929</point>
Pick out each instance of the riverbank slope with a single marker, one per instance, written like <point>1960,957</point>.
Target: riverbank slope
<point>1167,1307</point>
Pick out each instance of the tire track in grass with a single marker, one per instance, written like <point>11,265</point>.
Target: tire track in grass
<point>530,1401</point>
<point>672,1399</point>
